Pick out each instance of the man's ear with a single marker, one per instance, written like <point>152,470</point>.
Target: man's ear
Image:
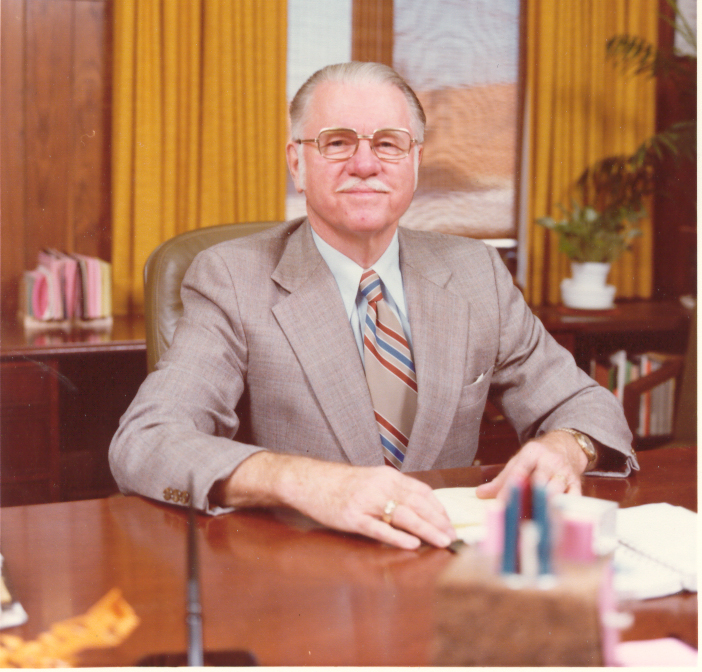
<point>419,153</point>
<point>294,166</point>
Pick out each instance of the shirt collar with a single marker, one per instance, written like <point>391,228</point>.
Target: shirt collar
<point>347,272</point>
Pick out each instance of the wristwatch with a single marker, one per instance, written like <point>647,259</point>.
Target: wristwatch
<point>585,442</point>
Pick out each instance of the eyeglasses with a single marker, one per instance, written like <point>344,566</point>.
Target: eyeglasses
<point>339,144</point>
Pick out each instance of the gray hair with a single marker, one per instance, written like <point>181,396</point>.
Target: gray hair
<point>355,72</point>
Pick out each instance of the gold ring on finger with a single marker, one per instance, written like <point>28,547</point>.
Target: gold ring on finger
<point>390,506</point>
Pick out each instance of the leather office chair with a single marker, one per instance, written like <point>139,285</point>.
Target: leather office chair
<point>163,275</point>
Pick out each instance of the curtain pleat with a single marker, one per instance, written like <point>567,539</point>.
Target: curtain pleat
<point>581,109</point>
<point>199,124</point>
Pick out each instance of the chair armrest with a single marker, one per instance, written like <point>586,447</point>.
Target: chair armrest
<point>671,368</point>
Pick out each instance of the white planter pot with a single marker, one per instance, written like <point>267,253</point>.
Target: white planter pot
<point>588,288</point>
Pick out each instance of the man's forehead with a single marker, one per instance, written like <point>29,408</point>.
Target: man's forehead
<point>341,103</point>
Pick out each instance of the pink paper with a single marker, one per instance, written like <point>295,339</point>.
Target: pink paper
<point>666,652</point>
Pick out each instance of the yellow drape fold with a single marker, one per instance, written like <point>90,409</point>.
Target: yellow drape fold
<point>581,109</point>
<point>199,124</point>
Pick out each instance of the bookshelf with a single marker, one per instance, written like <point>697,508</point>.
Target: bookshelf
<point>647,385</point>
<point>634,326</point>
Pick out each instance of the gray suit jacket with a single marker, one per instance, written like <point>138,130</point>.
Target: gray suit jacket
<point>264,352</point>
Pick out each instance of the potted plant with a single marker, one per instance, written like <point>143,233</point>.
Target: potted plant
<point>592,239</point>
<point>601,222</point>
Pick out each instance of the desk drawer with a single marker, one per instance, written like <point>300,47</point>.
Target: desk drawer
<point>26,383</point>
<point>26,437</point>
<point>29,433</point>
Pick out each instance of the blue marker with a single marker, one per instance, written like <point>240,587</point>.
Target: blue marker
<point>512,516</point>
<point>541,518</point>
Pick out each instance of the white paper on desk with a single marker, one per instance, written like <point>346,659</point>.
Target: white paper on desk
<point>657,551</point>
<point>466,512</point>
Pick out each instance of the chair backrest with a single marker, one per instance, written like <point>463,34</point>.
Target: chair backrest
<point>163,276</point>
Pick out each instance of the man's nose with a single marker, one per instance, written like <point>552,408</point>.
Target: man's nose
<point>364,162</point>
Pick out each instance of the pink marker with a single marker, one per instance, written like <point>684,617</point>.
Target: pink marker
<point>576,542</point>
<point>493,542</point>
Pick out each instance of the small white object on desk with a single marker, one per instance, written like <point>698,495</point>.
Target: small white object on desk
<point>12,612</point>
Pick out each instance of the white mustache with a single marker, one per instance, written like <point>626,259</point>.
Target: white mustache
<point>372,182</point>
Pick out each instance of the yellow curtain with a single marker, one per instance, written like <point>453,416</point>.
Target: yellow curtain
<point>580,108</point>
<point>199,124</point>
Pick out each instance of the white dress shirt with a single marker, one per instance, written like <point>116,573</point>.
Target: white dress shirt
<point>347,274</point>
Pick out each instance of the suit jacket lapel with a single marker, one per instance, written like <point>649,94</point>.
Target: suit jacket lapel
<point>311,317</point>
<point>439,323</point>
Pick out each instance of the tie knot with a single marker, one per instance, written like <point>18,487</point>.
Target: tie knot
<point>370,286</point>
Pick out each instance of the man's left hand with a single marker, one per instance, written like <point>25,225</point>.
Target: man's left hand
<point>554,459</point>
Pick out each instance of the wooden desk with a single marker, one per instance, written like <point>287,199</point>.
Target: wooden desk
<point>274,582</point>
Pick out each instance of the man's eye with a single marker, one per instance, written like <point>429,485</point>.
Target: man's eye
<point>389,148</point>
<point>338,142</point>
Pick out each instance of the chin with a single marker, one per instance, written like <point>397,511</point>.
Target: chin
<point>371,226</point>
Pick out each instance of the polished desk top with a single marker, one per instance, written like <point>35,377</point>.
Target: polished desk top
<point>127,333</point>
<point>637,315</point>
<point>274,582</point>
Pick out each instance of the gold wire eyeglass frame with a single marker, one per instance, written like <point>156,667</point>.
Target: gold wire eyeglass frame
<point>359,137</point>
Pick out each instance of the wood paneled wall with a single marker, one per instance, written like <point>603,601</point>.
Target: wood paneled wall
<point>55,118</point>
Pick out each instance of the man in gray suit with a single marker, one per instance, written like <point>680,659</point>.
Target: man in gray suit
<point>263,395</point>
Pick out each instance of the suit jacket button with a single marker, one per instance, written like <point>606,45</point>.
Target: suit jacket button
<point>167,494</point>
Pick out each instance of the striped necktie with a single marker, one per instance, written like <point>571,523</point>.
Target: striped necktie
<point>389,371</point>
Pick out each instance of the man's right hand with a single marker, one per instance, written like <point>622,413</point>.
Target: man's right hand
<point>341,496</point>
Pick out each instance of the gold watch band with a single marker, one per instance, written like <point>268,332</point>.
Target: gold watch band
<point>585,442</point>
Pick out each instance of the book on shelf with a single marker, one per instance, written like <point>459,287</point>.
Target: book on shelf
<point>657,405</point>
<point>66,290</point>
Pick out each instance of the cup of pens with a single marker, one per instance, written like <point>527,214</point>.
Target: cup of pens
<point>536,590</point>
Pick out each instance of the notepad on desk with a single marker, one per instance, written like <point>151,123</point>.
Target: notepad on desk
<point>466,512</point>
<point>656,554</point>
